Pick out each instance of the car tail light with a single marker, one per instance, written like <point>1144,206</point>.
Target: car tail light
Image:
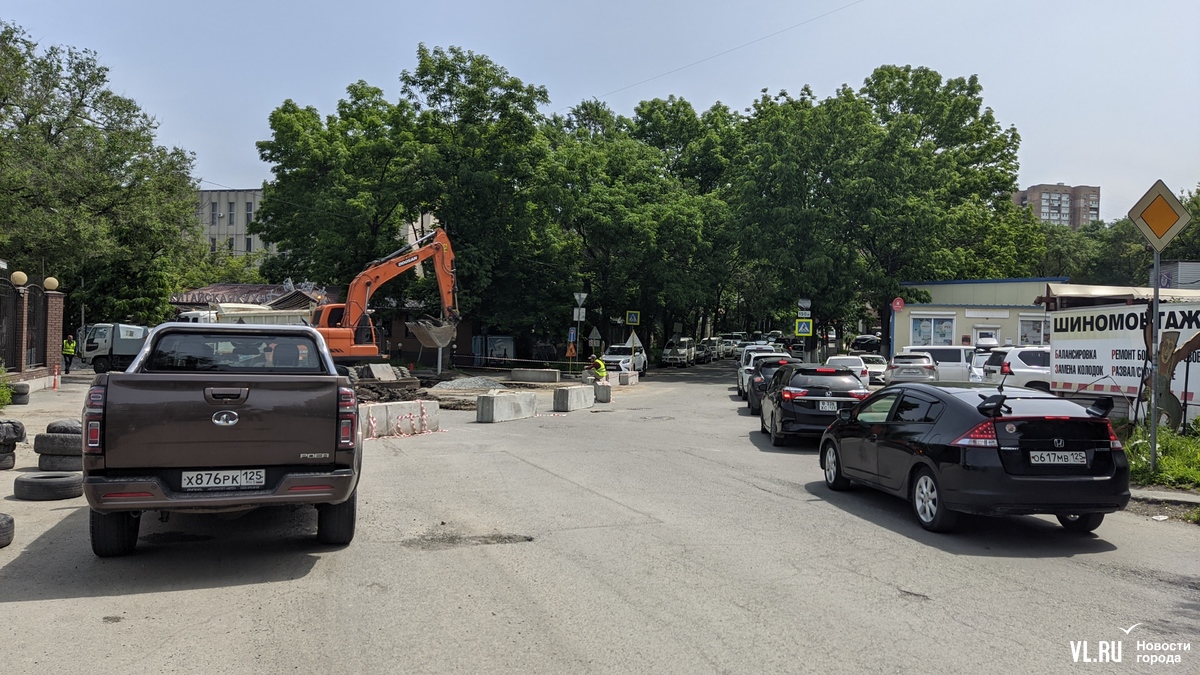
<point>860,394</point>
<point>1114,441</point>
<point>1005,368</point>
<point>790,393</point>
<point>758,379</point>
<point>347,418</point>
<point>932,369</point>
<point>892,367</point>
<point>982,436</point>
<point>864,372</point>
<point>93,420</point>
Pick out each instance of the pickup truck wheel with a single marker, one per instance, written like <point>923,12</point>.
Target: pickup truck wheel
<point>59,463</point>
<point>335,522</point>
<point>100,364</point>
<point>40,487</point>
<point>58,444</point>
<point>6,529</point>
<point>114,534</point>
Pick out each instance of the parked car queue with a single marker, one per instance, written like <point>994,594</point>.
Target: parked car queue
<point>946,447</point>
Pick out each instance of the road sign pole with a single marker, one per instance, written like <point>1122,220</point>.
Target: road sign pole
<point>1154,371</point>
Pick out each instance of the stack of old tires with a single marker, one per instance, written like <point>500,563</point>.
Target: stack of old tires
<point>20,393</point>
<point>11,433</point>
<point>59,450</point>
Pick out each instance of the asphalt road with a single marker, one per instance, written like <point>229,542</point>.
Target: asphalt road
<point>659,534</point>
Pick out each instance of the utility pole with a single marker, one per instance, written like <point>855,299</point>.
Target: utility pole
<point>580,312</point>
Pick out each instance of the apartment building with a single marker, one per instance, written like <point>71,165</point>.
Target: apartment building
<point>1063,204</point>
<point>226,214</point>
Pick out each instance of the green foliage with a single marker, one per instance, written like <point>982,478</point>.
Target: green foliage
<point>344,186</point>
<point>223,267</point>
<point>1178,458</point>
<point>5,389</point>
<point>85,191</point>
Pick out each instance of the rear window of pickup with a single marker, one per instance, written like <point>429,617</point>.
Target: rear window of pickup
<point>225,353</point>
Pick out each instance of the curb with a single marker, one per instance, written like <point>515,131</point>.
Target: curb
<point>1164,496</point>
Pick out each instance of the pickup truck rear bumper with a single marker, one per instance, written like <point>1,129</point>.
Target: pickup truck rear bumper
<point>150,493</point>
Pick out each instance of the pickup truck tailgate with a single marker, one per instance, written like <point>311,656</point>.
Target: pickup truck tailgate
<point>182,420</point>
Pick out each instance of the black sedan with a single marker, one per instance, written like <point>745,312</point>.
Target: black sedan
<point>764,370</point>
<point>978,449</point>
<point>804,399</point>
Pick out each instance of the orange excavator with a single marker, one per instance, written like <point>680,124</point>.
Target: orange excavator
<point>347,326</point>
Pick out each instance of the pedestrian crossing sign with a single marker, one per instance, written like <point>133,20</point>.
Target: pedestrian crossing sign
<point>803,327</point>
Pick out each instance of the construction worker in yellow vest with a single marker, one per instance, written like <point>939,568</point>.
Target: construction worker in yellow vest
<point>68,353</point>
<point>596,367</point>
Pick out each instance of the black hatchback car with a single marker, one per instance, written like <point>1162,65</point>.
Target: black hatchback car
<point>978,449</point>
<point>764,370</point>
<point>803,399</point>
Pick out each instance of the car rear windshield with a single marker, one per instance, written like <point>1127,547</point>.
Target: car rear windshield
<point>912,358</point>
<point>1032,405</point>
<point>996,358</point>
<point>838,381</point>
<point>226,353</point>
<point>844,361</point>
<point>944,355</point>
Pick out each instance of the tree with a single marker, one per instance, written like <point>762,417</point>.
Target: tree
<point>479,171</point>
<point>345,187</point>
<point>929,161</point>
<point>85,191</point>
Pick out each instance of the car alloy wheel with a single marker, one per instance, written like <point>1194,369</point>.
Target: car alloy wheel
<point>927,504</point>
<point>834,479</point>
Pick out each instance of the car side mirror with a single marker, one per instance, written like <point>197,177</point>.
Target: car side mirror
<point>844,414</point>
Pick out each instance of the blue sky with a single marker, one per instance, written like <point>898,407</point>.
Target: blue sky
<point>1103,92</point>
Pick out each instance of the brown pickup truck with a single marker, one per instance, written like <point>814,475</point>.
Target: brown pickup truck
<point>220,418</point>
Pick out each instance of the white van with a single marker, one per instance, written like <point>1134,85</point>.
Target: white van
<point>680,353</point>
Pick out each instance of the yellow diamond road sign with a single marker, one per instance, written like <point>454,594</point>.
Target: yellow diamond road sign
<point>1159,216</point>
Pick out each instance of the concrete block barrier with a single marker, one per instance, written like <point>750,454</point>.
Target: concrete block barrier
<point>627,378</point>
<point>399,418</point>
<point>535,375</point>
<point>603,392</point>
<point>505,407</point>
<point>577,397</point>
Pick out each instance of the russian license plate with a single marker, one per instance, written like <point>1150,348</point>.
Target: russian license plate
<point>224,480</point>
<point>1057,457</point>
<point>827,406</point>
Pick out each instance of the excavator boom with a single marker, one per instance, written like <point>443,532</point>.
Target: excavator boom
<point>347,326</point>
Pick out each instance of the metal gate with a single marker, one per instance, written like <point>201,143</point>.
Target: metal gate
<point>8,325</point>
<point>35,327</point>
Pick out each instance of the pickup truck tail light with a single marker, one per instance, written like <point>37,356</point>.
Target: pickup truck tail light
<point>347,418</point>
<point>93,421</point>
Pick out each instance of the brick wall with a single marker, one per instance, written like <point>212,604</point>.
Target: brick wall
<point>54,335</point>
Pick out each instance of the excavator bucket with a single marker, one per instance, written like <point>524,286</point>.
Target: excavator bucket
<point>433,333</point>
